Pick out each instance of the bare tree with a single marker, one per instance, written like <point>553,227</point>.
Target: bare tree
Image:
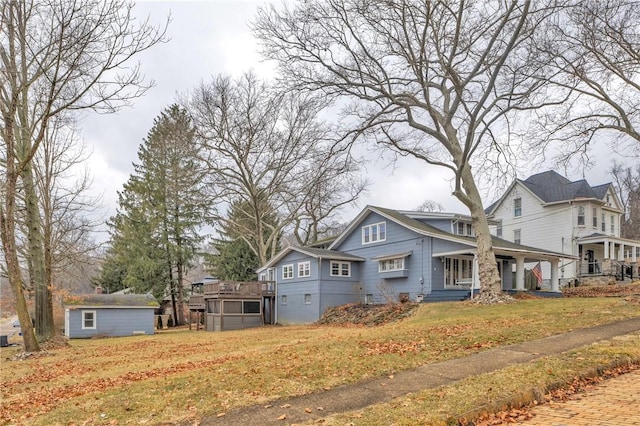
<point>270,153</point>
<point>433,80</point>
<point>627,183</point>
<point>594,47</point>
<point>430,206</point>
<point>56,56</point>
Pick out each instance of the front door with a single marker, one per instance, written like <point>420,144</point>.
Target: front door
<point>591,262</point>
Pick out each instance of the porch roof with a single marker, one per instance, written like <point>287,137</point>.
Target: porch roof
<point>509,250</point>
<point>601,238</point>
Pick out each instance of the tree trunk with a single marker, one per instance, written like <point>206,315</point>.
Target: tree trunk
<point>490,283</point>
<point>44,302</point>
<point>7,234</point>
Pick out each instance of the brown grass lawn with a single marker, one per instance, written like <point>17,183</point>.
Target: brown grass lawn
<point>181,375</point>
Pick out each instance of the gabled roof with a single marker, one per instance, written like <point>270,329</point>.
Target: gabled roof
<point>112,301</point>
<point>551,187</point>
<point>316,253</point>
<point>403,220</point>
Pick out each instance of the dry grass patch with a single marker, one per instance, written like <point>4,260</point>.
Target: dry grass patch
<point>182,375</point>
<point>504,394</point>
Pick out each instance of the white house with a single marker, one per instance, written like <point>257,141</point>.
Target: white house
<point>549,211</point>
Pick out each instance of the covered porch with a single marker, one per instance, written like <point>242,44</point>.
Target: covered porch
<point>461,268</point>
<point>602,255</point>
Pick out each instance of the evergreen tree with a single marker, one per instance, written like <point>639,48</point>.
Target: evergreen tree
<point>161,209</point>
<point>236,258</point>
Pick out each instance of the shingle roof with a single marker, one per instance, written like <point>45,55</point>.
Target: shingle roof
<point>328,254</point>
<point>551,187</point>
<point>113,300</point>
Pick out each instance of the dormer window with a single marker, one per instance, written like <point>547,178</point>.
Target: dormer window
<point>374,233</point>
<point>517,207</point>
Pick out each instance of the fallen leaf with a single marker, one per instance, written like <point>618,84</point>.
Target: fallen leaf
<point>282,417</point>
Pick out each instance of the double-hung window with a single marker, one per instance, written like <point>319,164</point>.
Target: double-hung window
<point>613,225</point>
<point>88,320</point>
<point>287,272</point>
<point>517,236</point>
<point>517,207</point>
<point>304,269</point>
<point>340,269</point>
<point>581,214</point>
<point>374,233</point>
<point>594,218</point>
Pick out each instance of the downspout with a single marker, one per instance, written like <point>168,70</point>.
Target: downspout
<point>275,300</point>
<point>319,285</point>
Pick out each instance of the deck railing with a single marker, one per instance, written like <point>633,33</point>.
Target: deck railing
<point>196,302</point>
<point>240,288</point>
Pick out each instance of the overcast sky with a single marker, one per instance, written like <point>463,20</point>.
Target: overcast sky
<point>212,37</point>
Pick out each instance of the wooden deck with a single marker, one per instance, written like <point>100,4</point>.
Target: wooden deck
<point>231,289</point>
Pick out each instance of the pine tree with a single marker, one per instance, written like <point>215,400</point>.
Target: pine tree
<point>162,207</point>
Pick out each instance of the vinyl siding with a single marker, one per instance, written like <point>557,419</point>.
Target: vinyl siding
<point>111,322</point>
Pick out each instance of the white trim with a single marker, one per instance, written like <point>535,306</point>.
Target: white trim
<point>304,269</point>
<point>340,265</point>
<point>392,263</point>
<point>380,233</point>
<point>288,267</point>
<point>84,319</point>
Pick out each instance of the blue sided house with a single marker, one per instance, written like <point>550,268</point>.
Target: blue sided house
<point>388,255</point>
<point>109,315</point>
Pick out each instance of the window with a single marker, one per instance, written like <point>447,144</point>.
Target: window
<point>307,299</point>
<point>250,307</point>
<point>469,230</point>
<point>213,306</point>
<point>517,236</point>
<point>580,215</point>
<point>594,217</point>
<point>499,230</point>
<point>232,306</point>
<point>368,299</point>
<point>241,307</point>
<point>603,224</point>
<point>340,269</point>
<point>287,272</point>
<point>613,224</point>
<point>283,299</point>
<point>304,269</point>
<point>460,228</point>
<point>88,320</point>
<point>517,207</point>
<point>374,233</point>
<point>387,265</point>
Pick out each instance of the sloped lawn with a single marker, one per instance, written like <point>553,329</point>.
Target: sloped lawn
<point>181,375</point>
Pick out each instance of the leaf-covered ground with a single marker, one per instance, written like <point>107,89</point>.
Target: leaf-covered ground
<point>179,376</point>
<point>368,315</point>
<point>618,290</point>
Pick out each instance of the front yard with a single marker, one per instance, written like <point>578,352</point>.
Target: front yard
<point>181,375</point>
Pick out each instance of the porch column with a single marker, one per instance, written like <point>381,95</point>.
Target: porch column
<point>612,250</point>
<point>519,273</point>
<point>634,258</point>
<point>606,249</point>
<point>621,252</point>
<point>555,285</point>
<point>475,276</point>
